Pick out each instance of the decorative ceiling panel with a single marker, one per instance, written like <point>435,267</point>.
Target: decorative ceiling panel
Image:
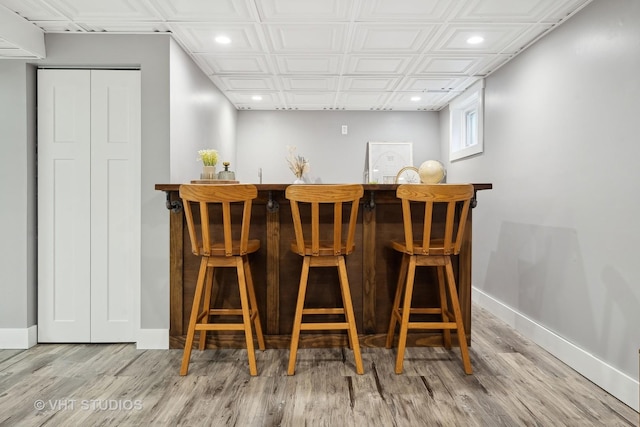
<point>407,10</point>
<point>508,11</point>
<point>124,27</point>
<point>388,64</point>
<point>355,83</point>
<point>306,38</point>
<point>304,10</point>
<point>200,37</point>
<point>34,10</point>
<point>388,38</point>
<point>308,64</point>
<point>419,84</point>
<point>204,10</point>
<point>497,37</point>
<point>234,64</point>
<point>255,84</point>
<point>363,99</point>
<point>242,97</point>
<point>321,54</point>
<point>414,101</point>
<point>304,99</point>
<point>99,10</point>
<point>457,65</point>
<point>317,83</point>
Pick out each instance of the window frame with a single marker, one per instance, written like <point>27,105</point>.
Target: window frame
<point>470,101</point>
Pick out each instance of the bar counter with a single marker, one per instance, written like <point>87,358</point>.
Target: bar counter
<point>372,270</point>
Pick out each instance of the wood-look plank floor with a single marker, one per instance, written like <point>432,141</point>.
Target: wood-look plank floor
<point>515,383</point>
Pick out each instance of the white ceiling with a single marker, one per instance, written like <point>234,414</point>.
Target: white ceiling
<point>322,54</point>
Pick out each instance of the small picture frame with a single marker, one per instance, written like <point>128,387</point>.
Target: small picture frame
<point>385,159</point>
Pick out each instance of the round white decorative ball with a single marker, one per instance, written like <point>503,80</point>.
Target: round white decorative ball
<point>431,172</point>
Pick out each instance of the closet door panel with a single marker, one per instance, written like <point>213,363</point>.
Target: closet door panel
<point>64,209</point>
<point>115,204</point>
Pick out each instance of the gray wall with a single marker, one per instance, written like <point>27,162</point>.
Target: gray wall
<point>263,137</point>
<point>201,117</point>
<point>556,240</point>
<point>17,184</point>
<point>151,54</point>
<point>182,111</point>
<point>17,162</point>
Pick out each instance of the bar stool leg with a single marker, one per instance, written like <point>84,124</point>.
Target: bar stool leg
<point>406,311</point>
<point>297,320</point>
<point>444,308</point>
<point>246,317</point>
<point>253,302</point>
<point>184,369</point>
<point>348,312</point>
<point>462,338</point>
<point>395,311</point>
<point>206,306</point>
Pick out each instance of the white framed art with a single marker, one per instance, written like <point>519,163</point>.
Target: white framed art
<point>385,159</point>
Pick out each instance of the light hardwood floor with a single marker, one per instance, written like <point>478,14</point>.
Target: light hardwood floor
<point>515,383</point>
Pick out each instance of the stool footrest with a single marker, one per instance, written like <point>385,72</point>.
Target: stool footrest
<point>424,310</point>
<point>220,327</point>
<point>322,311</point>
<point>432,325</point>
<point>323,326</point>
<point>224,312</point>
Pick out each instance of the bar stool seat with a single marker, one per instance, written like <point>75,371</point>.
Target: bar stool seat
<point>324,245</point>
<point>430,245</point>
<point>214,242</point>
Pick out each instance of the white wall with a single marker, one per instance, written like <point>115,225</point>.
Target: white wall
<point>556,240</point>
<point>17,184</point>
<point>201,118</point>
<point>263,137</point>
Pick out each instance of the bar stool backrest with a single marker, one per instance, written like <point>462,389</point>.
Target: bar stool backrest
<point>205,195</point>
<point>435,238</point>
<point>316,243</point>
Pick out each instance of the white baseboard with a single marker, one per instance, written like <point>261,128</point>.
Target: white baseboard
<point>614,382</point>
<point>153,339</point>
<point>18,338</point>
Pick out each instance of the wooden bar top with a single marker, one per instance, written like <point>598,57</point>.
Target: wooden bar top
<point>281,187</point>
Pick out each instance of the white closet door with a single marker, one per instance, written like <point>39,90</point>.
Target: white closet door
<point>89,224</point>
<point>64,208</point>
<point>115,205</point>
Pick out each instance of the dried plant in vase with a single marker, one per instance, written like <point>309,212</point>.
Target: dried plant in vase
<point>298,164</point>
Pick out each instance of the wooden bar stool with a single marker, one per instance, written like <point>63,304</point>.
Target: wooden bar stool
<point>431,246</point>
<point>324,247</point>
<point>216,246</point>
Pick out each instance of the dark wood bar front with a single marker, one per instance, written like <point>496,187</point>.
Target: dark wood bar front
<point>372,270</point>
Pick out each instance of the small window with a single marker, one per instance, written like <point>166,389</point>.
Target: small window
<point>466,122</point>
<point>471,128</point>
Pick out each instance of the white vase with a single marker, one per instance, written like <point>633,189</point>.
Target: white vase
<point>298,181</point>
<point>208,172</point>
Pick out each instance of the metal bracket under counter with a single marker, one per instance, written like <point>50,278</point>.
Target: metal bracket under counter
<point>371,204</point>
<point>272,204</point>
<point>174,206</point>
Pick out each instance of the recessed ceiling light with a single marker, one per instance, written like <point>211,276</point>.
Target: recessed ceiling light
<point>415,98</point>
<point>475,39</point>
<point>223,40</point>
<point>256,98</point>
